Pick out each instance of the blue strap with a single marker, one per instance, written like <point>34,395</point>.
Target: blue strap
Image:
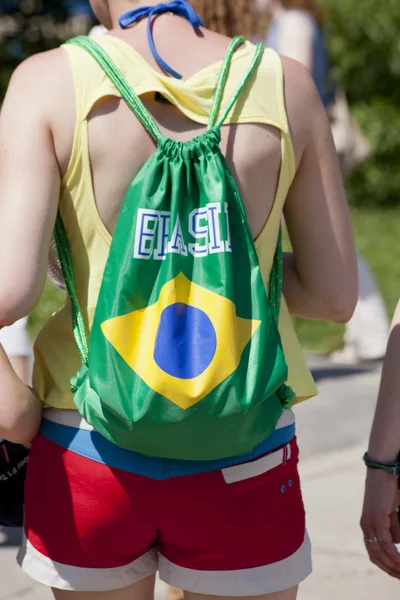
<point>177,7</point>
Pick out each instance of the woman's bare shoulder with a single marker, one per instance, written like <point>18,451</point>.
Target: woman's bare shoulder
<point>298,80</point>
<point>303,104</point>
<point>41,81</point>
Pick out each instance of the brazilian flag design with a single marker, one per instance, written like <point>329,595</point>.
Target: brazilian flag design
<point>185,357</point>
<point>185,344</point>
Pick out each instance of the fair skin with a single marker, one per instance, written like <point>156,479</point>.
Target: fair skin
<point>144,590</point>
<point>320,278</point>
<point>12,369</point>
<point>382,498</point>
<point>20,409</point>
<point>20,364</point>
<point>286,595</point>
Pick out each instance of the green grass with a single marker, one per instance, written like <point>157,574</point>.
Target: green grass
<point>377,238</point>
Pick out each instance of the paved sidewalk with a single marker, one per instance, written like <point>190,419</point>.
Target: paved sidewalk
<point>14,584</point>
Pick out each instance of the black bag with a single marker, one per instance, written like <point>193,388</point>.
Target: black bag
<point>13,464</point>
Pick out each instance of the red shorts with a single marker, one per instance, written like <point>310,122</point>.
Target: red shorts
<point>238,531</point>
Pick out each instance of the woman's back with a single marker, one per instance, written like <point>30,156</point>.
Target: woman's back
<point>119,145</point>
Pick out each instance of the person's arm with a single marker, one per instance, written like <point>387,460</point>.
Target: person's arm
<point>320,276</point>
<point>29,190</point>
<point>295,39</point>
<point>384,444</point>
<point>20,409</point>
<point>379,518</point>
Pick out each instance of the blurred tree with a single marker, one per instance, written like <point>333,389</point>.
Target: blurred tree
<point>30,26</point>
<point>365,51</point>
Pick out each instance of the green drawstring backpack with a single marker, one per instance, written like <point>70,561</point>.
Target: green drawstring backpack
<point>185,357</point>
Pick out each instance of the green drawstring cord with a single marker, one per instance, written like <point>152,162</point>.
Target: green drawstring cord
<point>286,396</point>
<point>78,324</point>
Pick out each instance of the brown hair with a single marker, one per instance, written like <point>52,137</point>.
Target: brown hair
<point>310,6</point>
<point>229,17</point>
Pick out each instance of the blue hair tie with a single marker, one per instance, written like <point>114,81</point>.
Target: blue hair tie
<point>181,8</point>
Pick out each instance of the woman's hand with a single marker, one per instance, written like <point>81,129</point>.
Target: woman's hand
<point>379,519</point>
<point>20,408</point>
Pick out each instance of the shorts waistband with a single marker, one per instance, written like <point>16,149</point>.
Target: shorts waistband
<point>69,430</point>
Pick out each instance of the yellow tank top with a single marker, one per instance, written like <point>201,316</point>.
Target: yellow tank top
<point>56,357</point>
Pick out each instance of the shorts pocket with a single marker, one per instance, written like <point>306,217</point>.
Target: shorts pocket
<point>257,467</point>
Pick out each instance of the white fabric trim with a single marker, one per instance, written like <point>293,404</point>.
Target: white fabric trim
<point>256,467</point>
<point>77,579</point>
<point>287,418</point>
<point>289,452</point>
<point>276,577</point>
<point>71,418</point>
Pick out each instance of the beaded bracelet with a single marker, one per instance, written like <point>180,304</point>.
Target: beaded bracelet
<point>393,468</point>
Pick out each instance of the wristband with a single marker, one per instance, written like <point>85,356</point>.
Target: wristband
<point>393,468</point>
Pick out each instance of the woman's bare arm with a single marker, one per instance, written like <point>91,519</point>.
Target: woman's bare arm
<point>20,409</point>
<point>29,189</point>
<point>384,444</point>
<point>381,501</point>
<point>320,277</point>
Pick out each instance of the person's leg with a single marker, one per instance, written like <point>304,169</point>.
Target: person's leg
<point>142,590</point>
<point>174,593</point>
<point>290,594</point>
